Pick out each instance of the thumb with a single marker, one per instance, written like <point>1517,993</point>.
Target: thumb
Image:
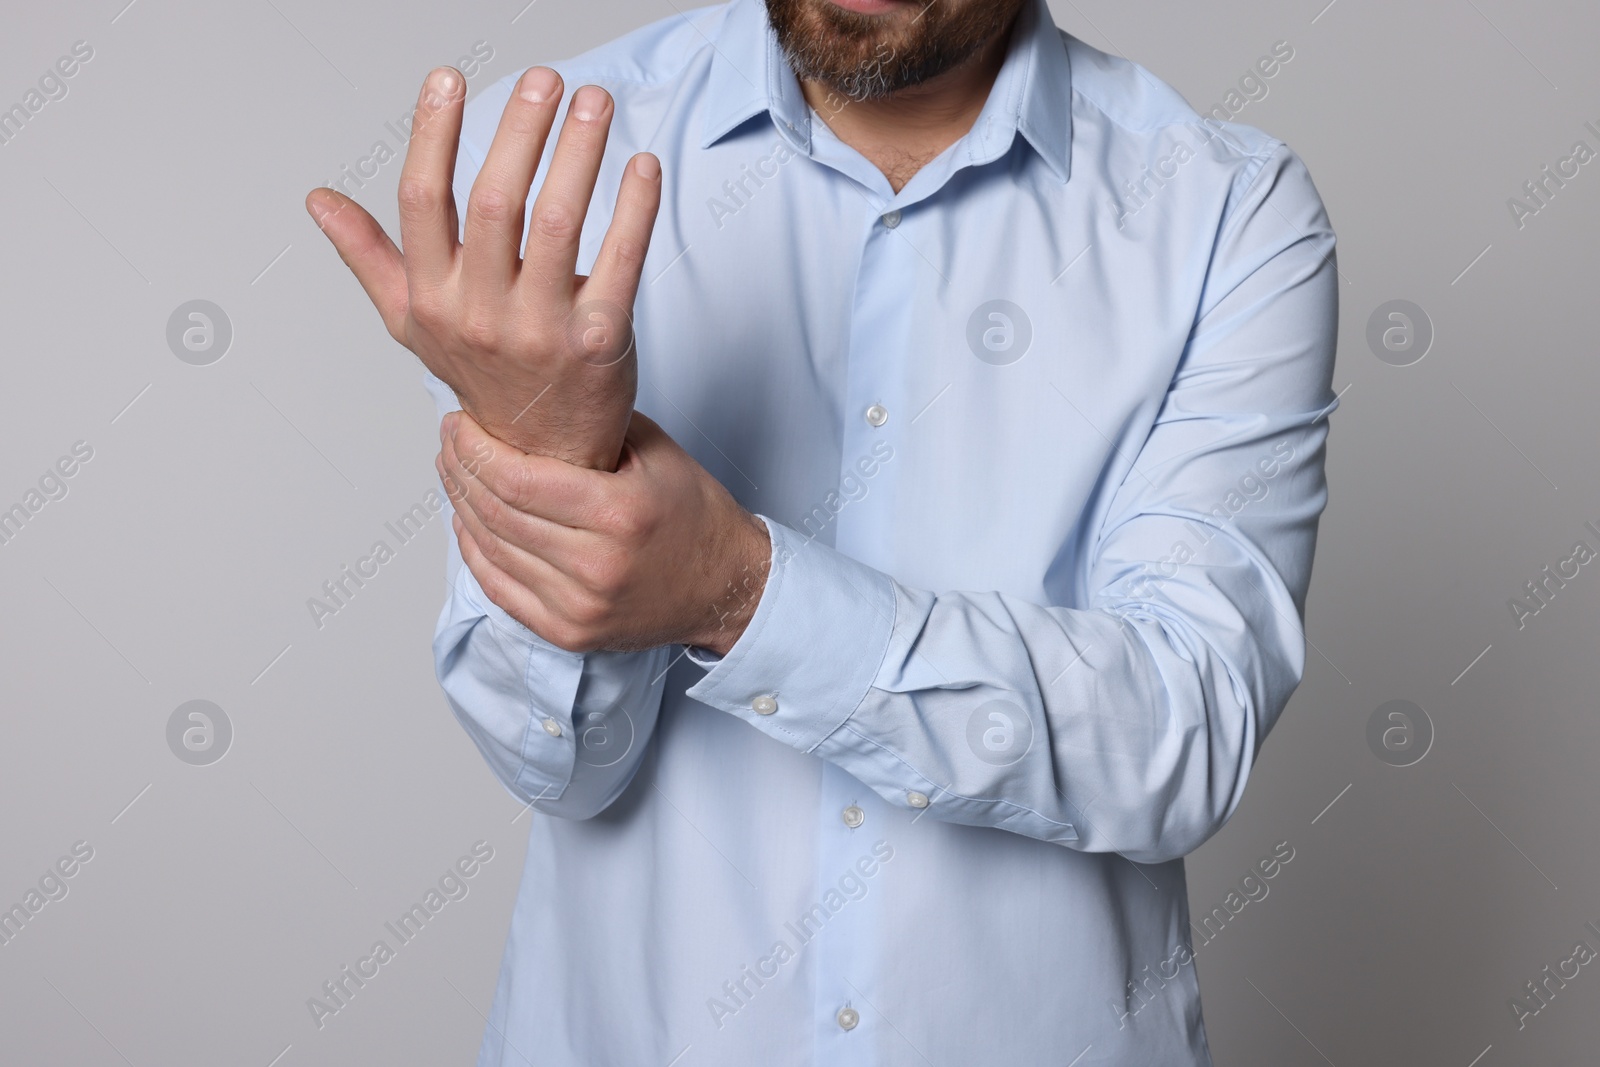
<point>368,251</point>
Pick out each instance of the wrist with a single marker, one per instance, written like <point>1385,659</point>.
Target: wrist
<point>593,448</point>
<point>590,435</point>
<point>743,578</point>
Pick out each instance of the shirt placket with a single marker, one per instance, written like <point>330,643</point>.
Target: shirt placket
<point>851,1028</point>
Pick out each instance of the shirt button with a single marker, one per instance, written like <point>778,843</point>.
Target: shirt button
<point>552,728</point>
<point>848,1018</point>
<point>890,219</point>
<point>854,816</point>
<point>764,705</point>
<point>916,799</point>
<point>877,415</point>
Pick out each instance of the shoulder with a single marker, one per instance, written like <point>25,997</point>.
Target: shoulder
<point>1130,102</point>
<point>1128,119</point>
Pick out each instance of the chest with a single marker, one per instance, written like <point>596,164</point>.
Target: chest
<point>949,390</point>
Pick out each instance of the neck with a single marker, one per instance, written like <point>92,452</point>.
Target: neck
<point>902,132</point>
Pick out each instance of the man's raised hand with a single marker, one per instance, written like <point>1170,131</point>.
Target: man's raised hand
<point>539,356</point>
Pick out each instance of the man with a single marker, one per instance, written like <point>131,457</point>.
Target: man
<point>869,692</point>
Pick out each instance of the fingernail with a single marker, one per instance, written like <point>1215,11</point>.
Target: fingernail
<point>647,166</point>
<point>588,102</point>
<point>539,85</point>
<point>444,82</point>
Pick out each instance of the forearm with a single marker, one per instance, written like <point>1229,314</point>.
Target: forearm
<point>1100,729</point>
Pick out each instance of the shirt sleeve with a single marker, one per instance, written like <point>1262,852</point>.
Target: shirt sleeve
<point>1127,723</point>
<point>563,731</point>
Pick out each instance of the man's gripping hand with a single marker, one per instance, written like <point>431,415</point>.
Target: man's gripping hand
<point>654,553</point>
<point>540,357</point>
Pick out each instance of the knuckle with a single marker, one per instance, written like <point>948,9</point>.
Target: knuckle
<point>516,486</point>
<point>490,510</point>
<point>604,574</point>
<point>492,205</point>
<point>571,636</point>
<point>480,328</point>
<point>520,122</point>
<point>471,464</point>
<point>426,308</point>
<point>628,252</point>
<point>632,525</point>
<point>419,197</point>
<point>454,491</point>
<point>495,585</point>
<point>590,614</point>
<point>556,222</point>
<point>492,549</point>
<point>627,521</point>
<point>614,519</point>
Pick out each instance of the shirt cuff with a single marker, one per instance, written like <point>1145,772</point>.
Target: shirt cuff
<point>503,681</point>
<point>702,657</point>
<point>813,647</point>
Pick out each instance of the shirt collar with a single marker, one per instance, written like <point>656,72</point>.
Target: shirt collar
<point>1031,94</point>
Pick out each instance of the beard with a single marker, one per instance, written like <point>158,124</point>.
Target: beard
<point>868,57</point>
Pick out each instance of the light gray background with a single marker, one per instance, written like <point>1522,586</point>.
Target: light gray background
<point>178,566</point>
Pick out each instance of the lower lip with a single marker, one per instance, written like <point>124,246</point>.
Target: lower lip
<point>872,7</point>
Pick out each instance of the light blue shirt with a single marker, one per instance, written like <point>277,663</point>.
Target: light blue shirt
<point>1039,440</point>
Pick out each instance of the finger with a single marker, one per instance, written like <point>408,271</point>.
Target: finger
<point>563,201</point>
<point>510,595</point>
<point>475,502</point>
<point>499,196</point>
<point>539,485</point>
<point>367,250</point>
<point>512,555</point>
<point>427,204</point>
<point>615,277</point>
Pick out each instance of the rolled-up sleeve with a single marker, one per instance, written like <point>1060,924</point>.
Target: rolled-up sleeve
<point>1127,722</point>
